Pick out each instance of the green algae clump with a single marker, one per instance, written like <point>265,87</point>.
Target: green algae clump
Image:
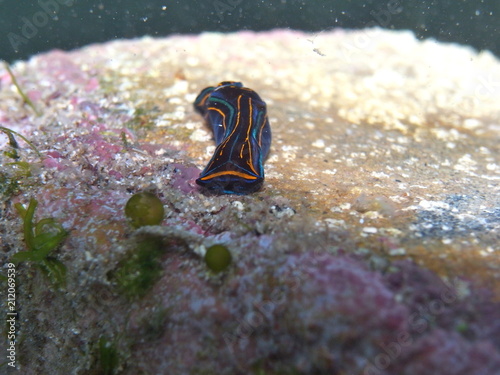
<point>108,356</point>
<point>218,258</point>
<point>42,238</point>
<point>144,209</point>
<point>141,268</point>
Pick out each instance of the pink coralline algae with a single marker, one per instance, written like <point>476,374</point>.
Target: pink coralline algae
<point>443,352</point>
<point>183,178</point>
<point>312,313</point>
<point>52,161</point>
<point>98,146</point>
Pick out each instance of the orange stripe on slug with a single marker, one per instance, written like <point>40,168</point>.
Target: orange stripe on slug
<point>232,173</point>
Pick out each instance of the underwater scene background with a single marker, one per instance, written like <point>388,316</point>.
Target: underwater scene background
<point>368,246</point>
<point>30,27</point>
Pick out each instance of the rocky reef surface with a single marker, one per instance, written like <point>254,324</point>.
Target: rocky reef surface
<point>373,247</point>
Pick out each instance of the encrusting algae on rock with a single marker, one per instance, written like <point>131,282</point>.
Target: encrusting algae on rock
<point>371,248</point>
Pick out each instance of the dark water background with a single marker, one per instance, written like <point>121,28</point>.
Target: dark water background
<point>29,27</point>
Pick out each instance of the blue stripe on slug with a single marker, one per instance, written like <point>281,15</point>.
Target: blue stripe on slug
<point>238,119</point>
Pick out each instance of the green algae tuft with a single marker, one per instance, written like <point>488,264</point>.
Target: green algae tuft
<point>25,97</point>
<point>42,238</point>
<point>108,356</point>
<point>14,145</point>
<point>140,269</point>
